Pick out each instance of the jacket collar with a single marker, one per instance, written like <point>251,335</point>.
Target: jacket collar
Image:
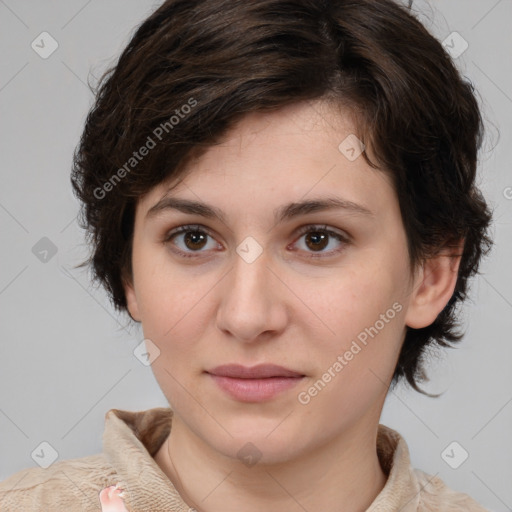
<point>131,439</point>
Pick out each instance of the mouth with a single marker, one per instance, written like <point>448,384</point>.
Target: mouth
<point>261,371</point>
<point>254,384</point>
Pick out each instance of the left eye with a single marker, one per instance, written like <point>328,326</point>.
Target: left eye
<point>195,238</point>
<point>317,238</point>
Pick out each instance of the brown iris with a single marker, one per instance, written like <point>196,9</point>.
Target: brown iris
<point>195,240</point>
<point>319,240</point>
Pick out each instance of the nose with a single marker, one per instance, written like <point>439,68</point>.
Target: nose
<point>252,306</point>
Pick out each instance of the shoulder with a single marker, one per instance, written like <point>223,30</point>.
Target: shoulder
<point>70,485</point>
<point>435,495</point>
<point>410,489</point>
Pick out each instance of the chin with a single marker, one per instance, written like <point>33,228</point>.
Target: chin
<point>261,442</point>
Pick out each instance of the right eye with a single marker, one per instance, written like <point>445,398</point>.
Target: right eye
<point>188,239</point>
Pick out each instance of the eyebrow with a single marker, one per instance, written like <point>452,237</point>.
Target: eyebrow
<point>283,213</point>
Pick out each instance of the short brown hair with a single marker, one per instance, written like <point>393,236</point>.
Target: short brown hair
<point>224,59</point>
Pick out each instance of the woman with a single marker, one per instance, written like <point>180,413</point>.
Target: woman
<point>283,194</point>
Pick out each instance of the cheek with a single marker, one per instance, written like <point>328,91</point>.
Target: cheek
<point>168,297</point>
<point>174,312</point>
<point>354,300</point>
<point>364,312</point>
<point>353,370</point>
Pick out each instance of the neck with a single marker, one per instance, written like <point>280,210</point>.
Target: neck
<point>344,474</point>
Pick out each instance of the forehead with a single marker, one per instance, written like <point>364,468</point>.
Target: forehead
<point>290,153</point>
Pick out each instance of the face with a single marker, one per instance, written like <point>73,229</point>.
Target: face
<point>323,292</point>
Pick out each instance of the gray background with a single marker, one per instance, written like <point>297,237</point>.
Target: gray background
<point>66,358</point>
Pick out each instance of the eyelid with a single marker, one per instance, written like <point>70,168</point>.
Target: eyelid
<point>323,227</point>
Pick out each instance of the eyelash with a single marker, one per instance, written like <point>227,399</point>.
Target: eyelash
<point>302,231</point>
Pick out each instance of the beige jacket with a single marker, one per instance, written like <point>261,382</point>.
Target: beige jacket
<point>131,439</point>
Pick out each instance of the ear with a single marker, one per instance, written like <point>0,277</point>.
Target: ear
<point>131,299</point>
<point>434,286</point>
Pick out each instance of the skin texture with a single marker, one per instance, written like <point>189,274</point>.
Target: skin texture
<point>284,308</point>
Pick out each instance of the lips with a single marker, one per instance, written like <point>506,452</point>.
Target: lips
<point>261,371</point>
<point>254,384</point>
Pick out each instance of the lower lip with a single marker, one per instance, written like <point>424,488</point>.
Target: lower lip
<point>255,390</point>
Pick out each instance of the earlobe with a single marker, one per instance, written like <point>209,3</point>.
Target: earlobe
<point>434,287</point>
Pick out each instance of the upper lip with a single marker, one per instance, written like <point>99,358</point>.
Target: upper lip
<point>260,371</point>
